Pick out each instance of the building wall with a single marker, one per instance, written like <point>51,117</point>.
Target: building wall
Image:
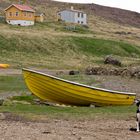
<point>39,18</point>
<point>22,15</point>
<point>73,17</point>
<point>67,16</point>
<point>81,19</point>
<point>20,22</point>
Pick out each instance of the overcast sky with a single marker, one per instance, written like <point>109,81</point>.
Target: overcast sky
<point>133,5</point>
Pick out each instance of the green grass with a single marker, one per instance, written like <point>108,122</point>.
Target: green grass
<point>71,112</point>
<point>12,83</point>
<point>100,47</point>
<point>23,44</point>
<point>27,98</point>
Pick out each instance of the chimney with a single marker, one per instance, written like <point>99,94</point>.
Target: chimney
<point>72,8</point>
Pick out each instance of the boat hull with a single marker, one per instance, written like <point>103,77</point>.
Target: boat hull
<point>61,91</point>
<point>4,65</point>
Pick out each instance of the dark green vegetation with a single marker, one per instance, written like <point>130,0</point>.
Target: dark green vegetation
<point>101,47</point>
<point>81,45</point>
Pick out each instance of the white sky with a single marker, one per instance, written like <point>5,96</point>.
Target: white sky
<point>133,5</point>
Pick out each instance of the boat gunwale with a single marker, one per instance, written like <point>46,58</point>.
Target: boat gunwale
<point>78,84</point>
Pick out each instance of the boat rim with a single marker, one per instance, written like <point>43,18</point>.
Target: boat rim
<point>75,83</point>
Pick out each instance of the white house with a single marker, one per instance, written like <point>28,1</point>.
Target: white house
<point>73,16</point>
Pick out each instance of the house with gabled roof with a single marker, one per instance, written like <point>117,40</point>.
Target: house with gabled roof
<point>17,14</point>
<point>72,16</point>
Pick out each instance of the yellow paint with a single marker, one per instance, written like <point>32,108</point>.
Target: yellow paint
<point>4,65</point>
<point>61,91</point>
<point>22,15</point>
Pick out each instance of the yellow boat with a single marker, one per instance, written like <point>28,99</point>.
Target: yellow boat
<point>4,65</point>
<point>57,90</point>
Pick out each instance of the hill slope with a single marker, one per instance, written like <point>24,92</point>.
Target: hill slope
<point>49,45</point>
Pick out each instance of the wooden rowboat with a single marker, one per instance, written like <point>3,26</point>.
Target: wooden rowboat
<point>57,90</point>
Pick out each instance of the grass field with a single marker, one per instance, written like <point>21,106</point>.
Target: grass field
<point>70,112</point>
<point>50,45</point>
<point>12,83</point>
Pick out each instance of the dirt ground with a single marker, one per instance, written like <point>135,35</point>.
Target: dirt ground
<point>52,129</point>
<point>57,129</point>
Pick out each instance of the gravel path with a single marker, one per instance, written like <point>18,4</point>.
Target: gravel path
<point>98,129</point>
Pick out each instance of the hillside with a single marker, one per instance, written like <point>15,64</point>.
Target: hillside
<point>50,45</point>
<point>51,7</point>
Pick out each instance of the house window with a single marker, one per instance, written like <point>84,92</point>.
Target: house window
<point>25,14</point>
<point>16,13</point>
<point>10,14</point>
<point>78,21</point>
<point>78,14</point>
<point>82,15</point>
<point>30,15</point>
<point>81,22</point>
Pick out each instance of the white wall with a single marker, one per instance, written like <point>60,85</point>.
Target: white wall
<point>72,17</point>
<point>20,22</point>
<point>80,19</point>
<point>67,16</point>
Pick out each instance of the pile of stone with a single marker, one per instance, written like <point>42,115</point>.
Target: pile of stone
<point>129,72</point>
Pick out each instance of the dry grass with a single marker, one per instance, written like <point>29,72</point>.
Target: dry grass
<point>107,29</point>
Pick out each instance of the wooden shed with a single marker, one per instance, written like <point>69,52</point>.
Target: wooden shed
<point>39,17</point>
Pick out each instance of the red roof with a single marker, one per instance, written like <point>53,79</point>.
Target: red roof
<point>22,7</point>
